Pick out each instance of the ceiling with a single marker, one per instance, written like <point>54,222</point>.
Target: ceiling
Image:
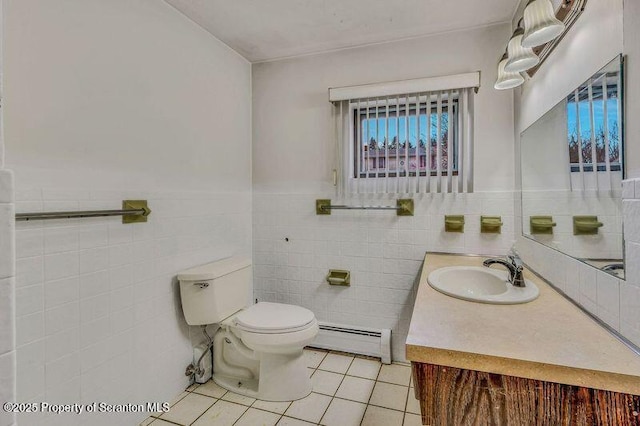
<point>270,29</point>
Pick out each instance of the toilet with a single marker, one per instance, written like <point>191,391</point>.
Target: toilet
<point>257,350</point>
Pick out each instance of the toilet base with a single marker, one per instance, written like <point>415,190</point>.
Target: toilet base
<point>283,377</point>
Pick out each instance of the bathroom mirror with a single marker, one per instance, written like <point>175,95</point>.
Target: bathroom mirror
<point>572,170</point>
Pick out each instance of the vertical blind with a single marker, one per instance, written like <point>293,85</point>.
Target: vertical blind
<point>420,142</point>
<point>594,134</point>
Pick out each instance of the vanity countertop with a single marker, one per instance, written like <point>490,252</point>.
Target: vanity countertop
<point>547,339</point>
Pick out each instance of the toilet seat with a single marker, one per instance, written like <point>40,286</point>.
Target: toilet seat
<point>274,318</point>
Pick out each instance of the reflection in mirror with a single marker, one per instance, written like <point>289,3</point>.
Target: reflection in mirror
<point>572,171</point>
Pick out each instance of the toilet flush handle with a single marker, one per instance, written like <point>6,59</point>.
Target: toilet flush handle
<point>202,284</point>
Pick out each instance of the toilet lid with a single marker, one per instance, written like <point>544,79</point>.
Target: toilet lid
<point>268,317</point>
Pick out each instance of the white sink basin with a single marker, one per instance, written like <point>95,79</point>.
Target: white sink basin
<point>481,284</point>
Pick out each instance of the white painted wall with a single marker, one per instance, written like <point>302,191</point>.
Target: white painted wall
<point>595,39</point>
<point>107,100</point>
<point>293,135</point>
<point>293,158</point>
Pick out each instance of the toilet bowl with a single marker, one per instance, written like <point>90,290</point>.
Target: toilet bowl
<point>258,349</point>
<point>259,353</point>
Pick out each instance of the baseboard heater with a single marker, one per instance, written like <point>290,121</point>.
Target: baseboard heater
<point>358,340</point>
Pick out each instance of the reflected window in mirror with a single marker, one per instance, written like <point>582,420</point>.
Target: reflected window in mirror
<point>593,118</point>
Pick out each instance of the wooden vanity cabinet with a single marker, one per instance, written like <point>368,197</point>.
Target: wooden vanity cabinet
<point>456,397</point>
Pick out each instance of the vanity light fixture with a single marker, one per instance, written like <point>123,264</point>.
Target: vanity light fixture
<point>520,58</point>
<point>540,23</point>
<point>507,80</point>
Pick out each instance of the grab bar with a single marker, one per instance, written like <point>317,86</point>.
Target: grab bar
<point>403,207</point>
<point>133,211</point>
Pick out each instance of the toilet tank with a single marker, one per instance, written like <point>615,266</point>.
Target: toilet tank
<point>213,292</point>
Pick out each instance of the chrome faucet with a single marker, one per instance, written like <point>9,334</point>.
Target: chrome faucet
<point>513,265</point>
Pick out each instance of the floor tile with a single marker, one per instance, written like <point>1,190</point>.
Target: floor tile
<point>310,408</point>
<point>188,409</point>
<point>210,389</point>
<point>367,368</point>
<point>147,421</point>
<point>355,389</point>
<point>389,396</point>
<point>253,417</point>
<point>396,374</point>
<point>376,416</point>
<point>326,382</point>
<point>238,399</point>
<point>412,420</point>
<point>288,421</point>
<point>343,413</point>
<point>223,413</point>
<point>413,405</point>
<point>336,363</point>
<point>313,357</point>
<point>274,407</point>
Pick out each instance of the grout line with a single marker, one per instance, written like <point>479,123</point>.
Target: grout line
<point>372,391</point>
<point>338,388</point>
<point>243,413</point>
<point>206,409</point>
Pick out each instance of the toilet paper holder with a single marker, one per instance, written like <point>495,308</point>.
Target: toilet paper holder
<point>339,277</point>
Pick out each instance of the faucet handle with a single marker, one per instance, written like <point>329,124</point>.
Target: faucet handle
<point>515,261</point>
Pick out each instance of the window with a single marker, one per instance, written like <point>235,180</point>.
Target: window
<point>405,137</point>
<point>390,136</point>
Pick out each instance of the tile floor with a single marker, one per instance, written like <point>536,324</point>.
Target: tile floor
<point>347,390</point>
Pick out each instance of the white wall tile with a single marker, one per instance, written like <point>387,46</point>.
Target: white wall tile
<point>631,210</point>
<point>6,186</point>
<point>29,328</point>
<point>383,252</point>
<point>63,343</point>
<point>628,189</point>
<point>61,318</point>
<point>62,265</point>
<point>101,285</point>
<point>8,385</point>
<point>637,188</point>
<point>62,370</point>
<point>29,242</point>
<point>7,315</point>
<point>29,299</point>
<point>629,312</point>
<point>30,271</point>
<point>61,291</point>
<point>7,241</point>
<point>608,300</point>
<point>58,240</point>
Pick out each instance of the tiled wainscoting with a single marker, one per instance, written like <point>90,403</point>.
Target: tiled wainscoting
<point>563,205</point>
<point>7,294</point>
<point>293,250</point>
<point>347,391</point>
<point>614,301</point>
<point>98,310</point>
